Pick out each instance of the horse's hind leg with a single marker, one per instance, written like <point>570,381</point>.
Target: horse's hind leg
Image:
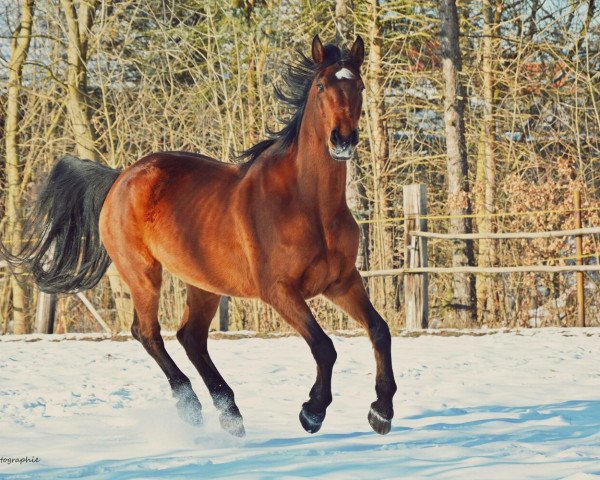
<point>145,291</point>
<point>193,334</point>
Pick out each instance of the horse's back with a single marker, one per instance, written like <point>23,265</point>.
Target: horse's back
<point>169,166</point>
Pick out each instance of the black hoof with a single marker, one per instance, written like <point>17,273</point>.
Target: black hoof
<point>378,422</point>
<point>311,422</point>
<point>188,405</point>
<point>232,423</point>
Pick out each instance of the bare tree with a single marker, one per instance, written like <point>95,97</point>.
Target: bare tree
<point>19,49</point>
<point>343,22</point>
<point>486,163</point>
<point>356,189</point>
<point>382,239</point>
<point>79,24</point>
<point>464,296</point>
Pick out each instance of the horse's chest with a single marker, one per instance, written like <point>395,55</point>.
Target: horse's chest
<point>312,253</point>
<point>322,264</point>
<point>321,272</point>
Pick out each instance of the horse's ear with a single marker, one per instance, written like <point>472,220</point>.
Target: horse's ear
<point>357,52</point>
<point>318,52</point>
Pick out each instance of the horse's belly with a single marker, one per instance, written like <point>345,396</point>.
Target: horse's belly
<point>218,267</point>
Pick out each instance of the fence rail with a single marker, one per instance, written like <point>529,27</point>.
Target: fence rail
<point>514,269</point>
<point>507,235</point>
<point>527,213</point>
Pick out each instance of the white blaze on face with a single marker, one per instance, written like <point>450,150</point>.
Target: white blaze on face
<point>344,73</point>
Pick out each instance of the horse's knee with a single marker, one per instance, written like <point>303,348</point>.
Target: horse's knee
<point>380,335</point>
<point>324,352</point>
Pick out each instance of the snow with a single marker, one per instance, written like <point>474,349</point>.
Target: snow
<point>523,405</point>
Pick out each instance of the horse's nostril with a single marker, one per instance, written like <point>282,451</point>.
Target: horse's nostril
<point>335,136</point>
<point>354,138</point>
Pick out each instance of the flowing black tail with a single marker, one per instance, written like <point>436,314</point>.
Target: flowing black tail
<point>62,247</point>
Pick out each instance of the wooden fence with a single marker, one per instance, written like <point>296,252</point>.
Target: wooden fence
<point>416,271</point>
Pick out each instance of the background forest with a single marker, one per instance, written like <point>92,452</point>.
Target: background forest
<point>115,80</point>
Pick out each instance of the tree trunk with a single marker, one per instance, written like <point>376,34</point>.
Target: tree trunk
<point>78,28</point>
<point>19,50</point>
<point>584,29</point>
<point>486,170</point>
<point>79,24</point>
<point>382,256</point>
<point>463,311</point>
<point>355,186</point>
<point>343,23</point>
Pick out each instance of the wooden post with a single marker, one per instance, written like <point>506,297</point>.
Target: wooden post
<point>45,313</point>
<point>579,253</point>
<point>256,315</point>
<point>416,302</point>
<point>221,320</point>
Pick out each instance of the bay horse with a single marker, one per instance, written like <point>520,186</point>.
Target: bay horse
<point>276,227</point>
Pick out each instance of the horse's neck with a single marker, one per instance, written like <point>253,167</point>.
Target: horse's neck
<point>321,180</point>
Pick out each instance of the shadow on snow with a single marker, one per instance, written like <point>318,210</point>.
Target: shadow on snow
<point>403,451</point>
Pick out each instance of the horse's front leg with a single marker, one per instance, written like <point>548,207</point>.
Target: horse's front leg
<point>351,296</point>
<point>291,306</point>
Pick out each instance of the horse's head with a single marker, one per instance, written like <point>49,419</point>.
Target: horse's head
<point>337,90</point>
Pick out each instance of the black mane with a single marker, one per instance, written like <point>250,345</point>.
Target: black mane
<point>298,78</point>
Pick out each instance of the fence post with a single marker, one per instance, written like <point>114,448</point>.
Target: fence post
<point>221,320</point>
<point>416,302</point>
<point>45,310</point>
<point>579,253</point>
<point>45,313</point>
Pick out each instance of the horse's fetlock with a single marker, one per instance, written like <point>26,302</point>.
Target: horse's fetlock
<point>327,399</point>
<point>223,397</point>
<point>179,385</point>
<point>386,388</point>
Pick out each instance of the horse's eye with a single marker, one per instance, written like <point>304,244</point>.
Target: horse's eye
<point>320,87</point>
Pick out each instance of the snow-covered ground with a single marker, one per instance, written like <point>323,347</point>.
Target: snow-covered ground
<point>520,405</point>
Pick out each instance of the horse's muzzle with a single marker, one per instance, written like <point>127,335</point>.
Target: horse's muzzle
<point>342,148</point>
<point>341,154</point>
